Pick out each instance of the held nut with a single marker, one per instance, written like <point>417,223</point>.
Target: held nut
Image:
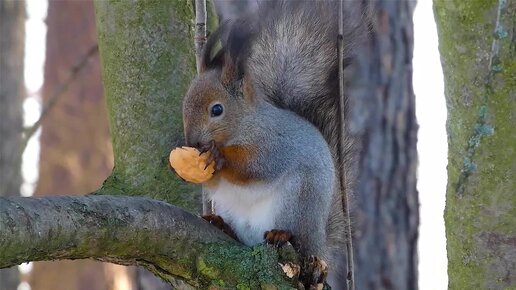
<point>188,164</point>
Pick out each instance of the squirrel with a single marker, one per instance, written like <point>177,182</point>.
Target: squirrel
<point>266,106</point>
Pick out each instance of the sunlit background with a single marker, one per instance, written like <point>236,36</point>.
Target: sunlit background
<point>430,110</point>
<point>432,148</point>
<point>35,37</point>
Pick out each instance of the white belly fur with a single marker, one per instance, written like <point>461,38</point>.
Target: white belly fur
<point>249,210</point>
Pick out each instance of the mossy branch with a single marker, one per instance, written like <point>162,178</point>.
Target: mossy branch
<point>167,240</point>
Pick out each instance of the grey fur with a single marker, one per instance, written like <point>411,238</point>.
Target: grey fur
<point>294,150</point>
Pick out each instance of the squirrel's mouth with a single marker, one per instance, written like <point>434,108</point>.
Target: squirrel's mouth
<point>196,141</point>
<point>193,138</point>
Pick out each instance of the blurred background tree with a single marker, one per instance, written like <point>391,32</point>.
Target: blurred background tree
<point>76,155</point>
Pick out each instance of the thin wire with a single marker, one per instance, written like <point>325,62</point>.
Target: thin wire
<point>345,196</point>
<point>200,30</point>
<point>199,41</point>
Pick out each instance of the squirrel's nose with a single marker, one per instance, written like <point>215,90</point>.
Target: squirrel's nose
<point>192,140</point>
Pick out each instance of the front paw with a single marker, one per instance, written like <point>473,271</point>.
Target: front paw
<point>220,224</point>
<point>277,237</point>
<point>215,154</point>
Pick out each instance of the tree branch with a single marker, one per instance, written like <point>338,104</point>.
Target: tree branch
<point>165,239</point>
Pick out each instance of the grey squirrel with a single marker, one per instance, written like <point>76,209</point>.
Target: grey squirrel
<point>266,105</point>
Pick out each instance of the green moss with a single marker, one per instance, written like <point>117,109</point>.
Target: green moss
<point>481,136</point>
<point>242,287</point>
<point>209,272</point>
<point>146,50</point>
<point>251,268</point>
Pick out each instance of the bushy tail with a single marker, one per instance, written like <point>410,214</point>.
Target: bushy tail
<point>292,56</point>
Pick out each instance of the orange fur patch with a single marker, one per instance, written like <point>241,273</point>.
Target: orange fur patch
<point>238,159</point>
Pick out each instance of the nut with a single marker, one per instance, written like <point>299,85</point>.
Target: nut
<point>191,165</point>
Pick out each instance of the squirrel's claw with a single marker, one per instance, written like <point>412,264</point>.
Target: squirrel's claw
<point>220,224</point>
<point>215,155</point>
<point>206,147</point>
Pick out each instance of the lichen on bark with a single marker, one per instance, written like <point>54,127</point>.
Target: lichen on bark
<point>477,41</point>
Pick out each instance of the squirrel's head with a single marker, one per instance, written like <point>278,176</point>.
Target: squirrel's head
<point>220,97</point>
<point>213,110</point>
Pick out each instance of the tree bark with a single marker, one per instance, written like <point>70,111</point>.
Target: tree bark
<point>477,44</point>
<point>163,238</point>
<point>148,61</point>
<point>12,93</point>
<point>383,118</point>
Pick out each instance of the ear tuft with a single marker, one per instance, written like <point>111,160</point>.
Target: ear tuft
<point>237,47</point>
<point>236,38</point>
<point>211,57</point>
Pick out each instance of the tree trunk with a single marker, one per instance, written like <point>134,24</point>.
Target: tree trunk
<point>148,61</point>
<point>383,117</point>
<point>477,43</point>
<point>12,92</point>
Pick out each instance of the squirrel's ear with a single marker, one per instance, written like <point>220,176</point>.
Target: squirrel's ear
<point>212,56</point>
<point>237,46</point>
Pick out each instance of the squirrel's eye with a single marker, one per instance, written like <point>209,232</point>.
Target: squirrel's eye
<point>217,110</point>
